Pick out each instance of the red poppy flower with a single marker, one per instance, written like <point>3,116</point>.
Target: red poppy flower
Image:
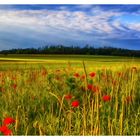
<point>76,75</point>
<point>75,103</point>
<point>8,121</point>
<point>90,86</point>
<point>106,98</point>
<point>68,97</point>
<point>92,74</point>
<point>83,77</point>
<point>14,86</point>
<point>95,89</point>
<point>8,132</point>
<point>3,128</point>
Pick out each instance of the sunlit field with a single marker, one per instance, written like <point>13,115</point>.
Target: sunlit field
<point>69,95</point>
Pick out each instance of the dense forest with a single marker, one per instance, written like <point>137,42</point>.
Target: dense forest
<point>87,50</point>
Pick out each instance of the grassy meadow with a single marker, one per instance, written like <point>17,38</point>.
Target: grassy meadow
<point>69,95</point>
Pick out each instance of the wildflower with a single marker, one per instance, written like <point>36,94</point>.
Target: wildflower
<point>76,75</point>
<point>8,121</point>
<point>68,97</point>
<point>14,86</point>
<point>92,74</point>
<point>75,103</point>
<point>5,130</point>
<point>106,98</point>
<point>8,132</point>
<point>83,77</point>
<point>93,88</point>
<point>90,86</point>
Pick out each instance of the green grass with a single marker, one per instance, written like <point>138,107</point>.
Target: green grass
<point>33,93</point>
<point>56,61</point>
<point>68,57</point>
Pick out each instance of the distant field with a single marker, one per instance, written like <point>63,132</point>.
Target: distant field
<point>68,57</point>
<point>57,61</point>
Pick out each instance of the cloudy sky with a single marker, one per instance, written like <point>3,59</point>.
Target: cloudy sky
<point>23,26</point>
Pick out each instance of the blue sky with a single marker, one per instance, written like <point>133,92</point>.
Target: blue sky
<point>23,26</point>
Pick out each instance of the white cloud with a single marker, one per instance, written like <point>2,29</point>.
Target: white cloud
<point>65,20</point>
<point>65,24</point>
<point>134,26</point>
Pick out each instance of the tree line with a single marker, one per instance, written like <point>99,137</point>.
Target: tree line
<point>87,50</point>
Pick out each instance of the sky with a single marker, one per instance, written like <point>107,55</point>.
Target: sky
<point>25,26</point>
